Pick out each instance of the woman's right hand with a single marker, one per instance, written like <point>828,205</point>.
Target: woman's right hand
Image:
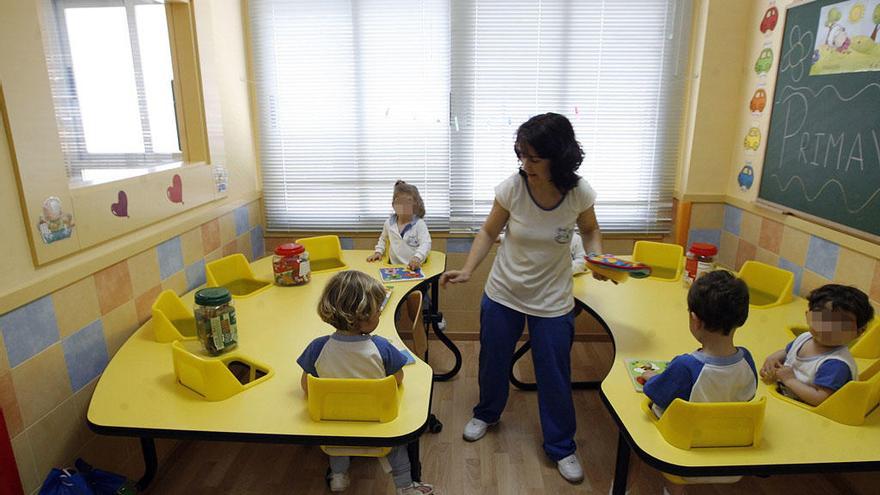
<point>374,257</point>
<point>454,277</point>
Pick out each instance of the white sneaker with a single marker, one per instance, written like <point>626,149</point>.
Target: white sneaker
<point>416,489</point>
<point>475,429</point>
<point>570,469</point>
<point>339,482</point>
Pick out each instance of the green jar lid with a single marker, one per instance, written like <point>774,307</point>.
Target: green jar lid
<point>213,296</point>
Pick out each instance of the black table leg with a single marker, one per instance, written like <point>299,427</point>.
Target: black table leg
<point>151,463</point>
<point>433,318</point>
<point>621,467</point>
<point>525,348</point>
<point>415,465</point>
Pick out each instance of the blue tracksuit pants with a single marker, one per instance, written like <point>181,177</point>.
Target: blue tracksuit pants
<point>500,329</point>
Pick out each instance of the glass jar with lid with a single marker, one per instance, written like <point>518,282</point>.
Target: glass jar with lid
<point>700,259</point>
<point>215,319</point>
<point>291,265</point>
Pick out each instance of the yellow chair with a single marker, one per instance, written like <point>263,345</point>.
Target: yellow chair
<point>769,286</point>
<point>664,259</point>
<point>234,272</point>
<point>688,425</point>
<point>353,399</point>
<point>851,404</point>
<point>172,320</point>
<point>325,253</point>
<point>217,378</point>
<point>867,346</point>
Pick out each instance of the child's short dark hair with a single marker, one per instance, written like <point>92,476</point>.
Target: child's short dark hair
<point>842,298</point>
<point>720,300</point>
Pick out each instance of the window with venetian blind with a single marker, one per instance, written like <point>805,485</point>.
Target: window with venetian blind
<point>111,75</point>
<point>355,94</point>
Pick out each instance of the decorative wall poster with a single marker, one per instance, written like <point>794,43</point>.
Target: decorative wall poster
<point>120,207</point>
<point>846,38</point>
<point>764,62</point>
<point>54,224</point>
<point>746,177</point>
<point>759,101</point>
<point>753,138</point>
<point>175,190</point>
<point>771,17</point>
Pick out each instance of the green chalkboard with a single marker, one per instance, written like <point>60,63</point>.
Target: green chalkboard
<point>823,147</point>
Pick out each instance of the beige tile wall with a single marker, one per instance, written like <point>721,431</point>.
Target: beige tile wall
<point>745,236</point>
<point>44,415</point>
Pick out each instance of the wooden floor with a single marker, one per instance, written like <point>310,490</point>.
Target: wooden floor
<point>509,460</point>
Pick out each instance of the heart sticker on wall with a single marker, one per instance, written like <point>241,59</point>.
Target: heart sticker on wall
<point>175,191</point>
<point>120,207</point>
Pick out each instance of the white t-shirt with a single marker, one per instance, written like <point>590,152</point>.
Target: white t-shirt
<point>832,369</point>
<point>413,242</point>
<point>532,271</point>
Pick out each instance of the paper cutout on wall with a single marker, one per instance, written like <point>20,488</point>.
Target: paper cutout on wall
<point>764,61</point>
<point>221,178</point>
<point>753,139</point>
<point>54,224</point>
<point>759,101</point>
<point>771,17</point>
<point>120,207</point>
<point>175,190</point>
<point>847,43</point>
<point>746,178</point>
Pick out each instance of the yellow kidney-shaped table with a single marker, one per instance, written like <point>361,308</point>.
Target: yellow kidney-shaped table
<point>648,319</point>
<point>138,394</point>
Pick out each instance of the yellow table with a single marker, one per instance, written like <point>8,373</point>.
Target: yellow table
<point>138,395</point>
<point>648,319</point>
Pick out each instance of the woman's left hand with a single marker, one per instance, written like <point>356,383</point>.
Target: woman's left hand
<point>603,278</point>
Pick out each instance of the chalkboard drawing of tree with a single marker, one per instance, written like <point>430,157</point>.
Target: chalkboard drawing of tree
<point>834,15</point>
<point>876,19</point>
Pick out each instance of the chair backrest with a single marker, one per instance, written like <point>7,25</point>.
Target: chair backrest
<point>855,400</point>
<point>234,272</point>
<point>665,259</point>
<point>172,320</point>
<point>768,285</point>
<point>211,377</point>
<point>419,336</point>
<point>868,344</point>
<point>325,253</point>
<point>353,399</point>
<point>689,425</point>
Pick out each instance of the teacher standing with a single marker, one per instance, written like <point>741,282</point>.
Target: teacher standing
<point>531,281</point>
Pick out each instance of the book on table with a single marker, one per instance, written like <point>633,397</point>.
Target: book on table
<point>400,274</point>
<point>636,367</point>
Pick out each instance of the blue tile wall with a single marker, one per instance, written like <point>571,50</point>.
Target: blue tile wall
<point>732,219</point>
<point>170,257</point>
<point>822,257</point>
<point>86,354</point>
<point>29,329</point>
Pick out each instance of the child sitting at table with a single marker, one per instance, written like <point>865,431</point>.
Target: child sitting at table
<point>405,230</point>
<point>718,371</point>
<point>350,302</point>
<point>578,256</point>
<point>407,235</point>
<point>817,363</point>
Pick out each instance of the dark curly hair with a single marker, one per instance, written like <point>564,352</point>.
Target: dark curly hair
<point>720,301</point>
<point>842,298</point>
<point>552,137</point>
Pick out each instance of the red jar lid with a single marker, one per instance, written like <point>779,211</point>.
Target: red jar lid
<point>703,249</point>
<point>289,249</point>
